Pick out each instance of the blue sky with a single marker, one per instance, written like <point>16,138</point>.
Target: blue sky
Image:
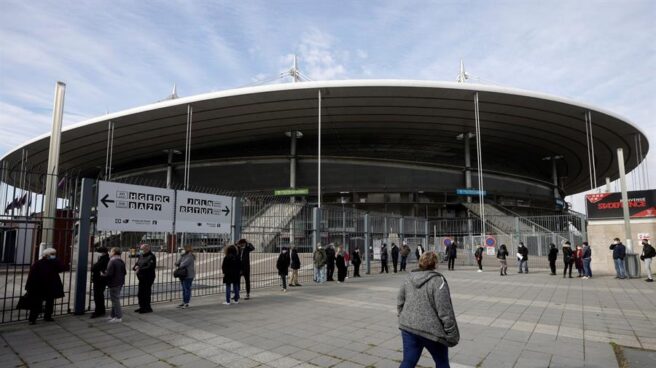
<point>121,54</point>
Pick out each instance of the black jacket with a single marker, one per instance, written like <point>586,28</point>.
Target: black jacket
<point>43,280</point>
<point>147,264</point>
<point>296,262</point>
<point>330,256</point>
<point>524,252</point>
<point>452,251</point>
<point>648,251</point>
<point>395,253</point>
<point>283,263</point>
<point>383,254</point>
<point>339,262</point>
<point>502,254</point>
<point>553,254</point>
<point>355,257</point>
<point>568,255</point>
<point>619,251</point>
<point>97,268</point>
<point>231,268</point>
<point>245,255</point>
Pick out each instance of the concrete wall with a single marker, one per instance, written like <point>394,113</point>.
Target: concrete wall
<point>601,234</point>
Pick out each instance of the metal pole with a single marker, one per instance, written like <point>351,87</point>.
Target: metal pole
<point>319,158</point>
<point>316,227</point>
<point>292,179</point>
<point>468,181</point>
<point>554,177</point>
<point>343,225</point>
<point>479,159</point>
<point>607,185</point>
<point>169,169</point>
<point>366,242</point>
<point>86,203</point>
<point>236,220</point>
<point>625,200</point>
<point>50,197</point>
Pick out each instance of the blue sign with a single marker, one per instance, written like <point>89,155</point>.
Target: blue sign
<point>469,192</point>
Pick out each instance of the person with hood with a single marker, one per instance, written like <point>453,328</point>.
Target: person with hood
<point>283,267</point>
<point>648,253</point>
<point>244,249</point>
<point>383,259</point>
<point>319,260</point>
<point>619,252</point>
<point>186,262</point>
<point>340,263</point>
<point>395,256</point>
<point>568,258</point>
<point>578,260</point>
<point>330,262</point>
<point>231,268</point>
<point>587,258</point>
<point>553,255</point>
<point>478,254</point>
<point>419,251</point>
<point>356,260</point>
<point>426,316</point>
<point>99,282</point>
<point>501,255</point>
<point>452,254</point>
<point>523,259</point>
<point>295,266</point>
<point>145,269</point>
<point>44,285</point>
<point>115,279</point>
<point>404,252</point>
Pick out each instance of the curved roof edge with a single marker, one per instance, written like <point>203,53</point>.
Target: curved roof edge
<point>329,84</point>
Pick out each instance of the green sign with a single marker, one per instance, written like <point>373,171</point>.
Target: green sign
<point>291,192</point>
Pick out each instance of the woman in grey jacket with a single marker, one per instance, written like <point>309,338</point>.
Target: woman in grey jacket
<point>426,317</point>
<point>186,262</point>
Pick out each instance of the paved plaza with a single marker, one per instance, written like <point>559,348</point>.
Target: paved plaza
<point>533,320</point>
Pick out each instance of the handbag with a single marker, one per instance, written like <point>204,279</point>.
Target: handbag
<point>180,273</point>
<point>24,302</point>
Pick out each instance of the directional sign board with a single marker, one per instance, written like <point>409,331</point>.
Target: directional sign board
<point>202,213</point>
<point>126,207</point>
<point>470,192</point>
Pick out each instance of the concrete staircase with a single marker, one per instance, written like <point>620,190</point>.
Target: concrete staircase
<point>270,223</point>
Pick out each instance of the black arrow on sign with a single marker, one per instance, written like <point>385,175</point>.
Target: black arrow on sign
<point>226,210</point>
<point>104,200</point>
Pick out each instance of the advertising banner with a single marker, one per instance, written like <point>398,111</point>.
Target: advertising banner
<point>202,213</point>
<point>642,204</point>
<point>127,207</point>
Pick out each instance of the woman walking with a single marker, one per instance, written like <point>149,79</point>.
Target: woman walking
<point>356,260</point>
<point>186,263</point>
<point>426,316</point>
<point>501,255</point>
<point>115,276</point>
<point>553,255</point>
<point>341,264</point>
<point>568,258</point>
<point>231,268</point>
<point>295,266</point>
<point>283,267</point>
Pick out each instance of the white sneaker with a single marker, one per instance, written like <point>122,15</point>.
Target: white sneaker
<point>226,303</point>
<point>284,290</point>
<point>479,271</point>
<point>116,320</point>
<point>185,306</point>
<point>235,302</point>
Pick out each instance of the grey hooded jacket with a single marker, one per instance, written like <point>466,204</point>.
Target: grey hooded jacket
<point>425,309</point>
<point>187,261</point>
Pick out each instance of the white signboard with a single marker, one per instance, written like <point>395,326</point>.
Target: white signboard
<point>202,213</point>
<point>126,207</point>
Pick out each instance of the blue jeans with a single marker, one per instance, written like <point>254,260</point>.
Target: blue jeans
<point>186,290</point>
<point>523,264</point>
<point>235,287</point>
<point>619,268</point>
<point>413,345</point>
<point>320,274</point>
<point>586,267</point>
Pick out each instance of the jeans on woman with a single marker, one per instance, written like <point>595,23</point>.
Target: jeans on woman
<point>413,345</point>
<point>320,274</point>
<point>234,286</point>
<point>186,289</point>
<point>586,267</point>
<point>115,297</point>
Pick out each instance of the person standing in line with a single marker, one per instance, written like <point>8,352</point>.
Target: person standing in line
<point>426,316</point>
<point>145,269</point>
<point>44,285</point>
<point>99,282</point>
<point>419,251</point>
<point>568,258</point>
<point>295,266</point>
<point>186,261</point>
<point>341,264</point>
<point>115,279</point>
<point>479,257</point>
<point>553,255</point>
<point>452,254</point>
<point>395,256</point>
<point>502,254</point>
<point>330,262</point>
<point>404,252</point>
<point>357,260</point>
<point>523,260</point>
<point>231,268</point>
<point>587,258</point>
<point>619,252</point>
<point>283,267</point>
<point>383,259</point>
<point>578,260</point>
<point>244,249</point>
<point>347,261</point>
<point>648,253</point>
<point>319,260</point>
